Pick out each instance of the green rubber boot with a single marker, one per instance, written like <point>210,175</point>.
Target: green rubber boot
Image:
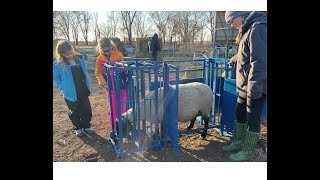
<point>249,145</point>
<point>239,132</point>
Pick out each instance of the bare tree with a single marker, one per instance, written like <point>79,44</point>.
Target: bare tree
<point>84,26</point>
<point>75,24</point>
<point>140,24</point>
<point>114,19</point>
<point>202,35</point>
<point>62,23</point>
<point>209,22</point>
<point>97,32</point>
<point>189,25</point>
<point>124,34</point>
<point>127,20</point>
<point>55,23</point>
<point>197,25</point>
<point>106,30</point>
<point>184,25</point>
<point>160,19</point>
<point>172,25</point>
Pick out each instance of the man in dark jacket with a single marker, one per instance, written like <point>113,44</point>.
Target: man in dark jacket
<point>251,80</point>
<point>155,47</point>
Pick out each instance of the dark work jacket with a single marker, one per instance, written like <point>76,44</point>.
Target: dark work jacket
<point>251,72</point>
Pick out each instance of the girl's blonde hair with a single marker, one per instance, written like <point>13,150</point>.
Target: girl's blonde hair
<point>63,47</point>
<point>105,42</point>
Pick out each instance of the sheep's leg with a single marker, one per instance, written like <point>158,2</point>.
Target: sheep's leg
<point>117,131</point>
<point>206,124</point>
<point>160,130</point>
<point>191,124</point>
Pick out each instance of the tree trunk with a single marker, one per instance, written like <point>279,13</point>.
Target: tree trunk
<point>77,42</point>
<point>96,37</point>
<point>86,39</point>
<point>212,36</point>
<point>164,37</point>
<point>129,36</point>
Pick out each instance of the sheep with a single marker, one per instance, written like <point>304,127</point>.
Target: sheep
<point>232,51</point>
<point>219,52</point>
<point>194,99</point>
<point>205,54</point>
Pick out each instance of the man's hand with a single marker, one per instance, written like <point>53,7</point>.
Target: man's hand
<point>233,60</point>
<point>231,63</point>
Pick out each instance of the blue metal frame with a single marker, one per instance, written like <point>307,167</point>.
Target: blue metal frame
<point>171,106</point>
<point>222,115</point>
<point>183,81</point>
<point>138,135</point>
<point>212,72</point>
<point>228,106</point>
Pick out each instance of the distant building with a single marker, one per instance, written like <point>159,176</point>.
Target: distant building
<point>223,33</point>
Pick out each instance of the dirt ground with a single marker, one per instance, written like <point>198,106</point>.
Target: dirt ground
<point>67,147</point>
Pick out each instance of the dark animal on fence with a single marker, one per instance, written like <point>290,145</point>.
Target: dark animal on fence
<point>205,54</point>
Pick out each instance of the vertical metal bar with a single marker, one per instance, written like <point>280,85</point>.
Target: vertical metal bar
<point>208,73</point>
<point>203,70</point>
<point>134,110</point>
<point>119,100</point>
<point>150,117</point>
<point>150,101</point>
<point>194,71</point>
<point>110,100</point>
<point>226,69</point>
<point>156,71</point>
<point>130,100</point>
<point>116,71</point>
<point>165,89</point>
<point>211,73</point>
<point>220,93</point>
<point>215,88</point>
<point>227,44</point>
<point>209,77</point>
<point>144,104</point>
<point>176,109</point>
<point>138,105</point>
<point>149,78</point>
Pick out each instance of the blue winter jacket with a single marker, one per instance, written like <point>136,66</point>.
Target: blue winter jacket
<point>64,80</point>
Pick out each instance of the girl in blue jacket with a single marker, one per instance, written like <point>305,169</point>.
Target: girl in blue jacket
<point>71,77</point>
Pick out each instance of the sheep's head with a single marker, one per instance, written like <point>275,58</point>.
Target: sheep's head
<point>205,54</point>
<point>127,116</point>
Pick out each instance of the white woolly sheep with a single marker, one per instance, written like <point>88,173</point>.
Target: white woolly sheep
<point>194,99</point>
